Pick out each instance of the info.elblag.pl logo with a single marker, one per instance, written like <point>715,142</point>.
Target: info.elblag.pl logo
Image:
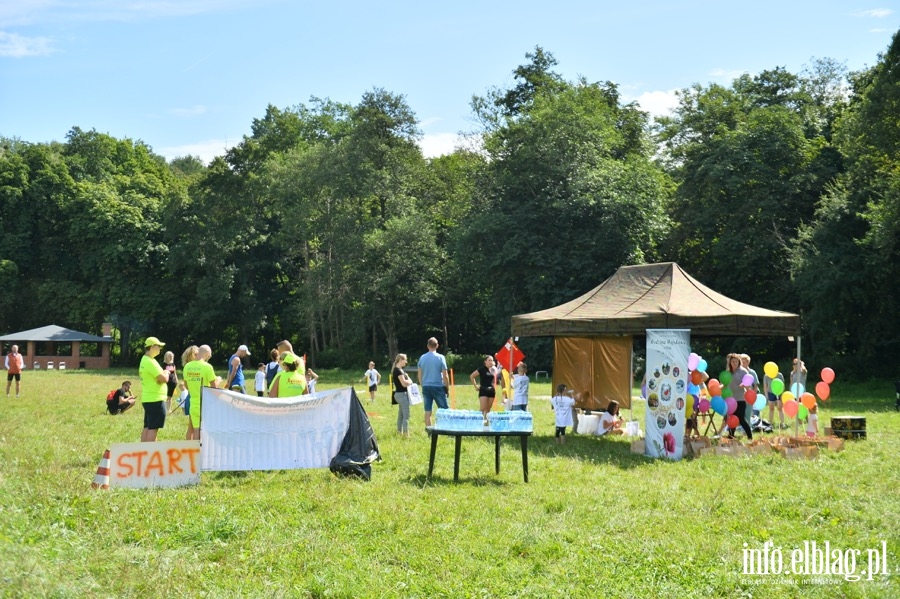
<point>815,559</point>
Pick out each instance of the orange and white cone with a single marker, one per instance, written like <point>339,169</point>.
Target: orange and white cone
<point>101,479</point>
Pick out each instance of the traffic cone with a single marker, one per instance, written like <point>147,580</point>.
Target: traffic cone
<point>101,479</point>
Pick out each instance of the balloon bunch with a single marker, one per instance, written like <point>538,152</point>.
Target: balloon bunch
<point>696,367</point>
<point>789,398</point>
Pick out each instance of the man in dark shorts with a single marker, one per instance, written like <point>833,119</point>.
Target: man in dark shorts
<point>121,400</point>
<point>14,364</point>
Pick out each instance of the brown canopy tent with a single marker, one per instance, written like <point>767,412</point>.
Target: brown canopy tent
<point>593,331</point>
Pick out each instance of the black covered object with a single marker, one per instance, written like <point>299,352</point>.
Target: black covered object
<point>359,447</point>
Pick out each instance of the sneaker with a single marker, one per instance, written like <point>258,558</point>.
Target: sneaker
<point>783,426</point>
<point>717,436</point>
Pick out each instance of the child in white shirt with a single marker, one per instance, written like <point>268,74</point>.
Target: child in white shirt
<point>562,403</point>
<point>812,421</point>
<point>260,380</point>
<point>520,388</point>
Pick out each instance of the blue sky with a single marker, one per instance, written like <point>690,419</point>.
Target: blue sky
<point>189,76</point>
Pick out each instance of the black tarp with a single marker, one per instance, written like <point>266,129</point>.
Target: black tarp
<point>359,447</point>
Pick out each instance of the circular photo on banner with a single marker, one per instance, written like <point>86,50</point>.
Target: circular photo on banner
<point>665,391</point>
<point>679,386</point>
<point>673,420</point>
<point>651,384</point>
<point>676,372</point>
<point>666,368</point>
<point>661,421</point>
<point>652,400</point>
<point>679,403</point>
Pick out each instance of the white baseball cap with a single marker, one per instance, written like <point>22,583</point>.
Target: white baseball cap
<point>244,348</point>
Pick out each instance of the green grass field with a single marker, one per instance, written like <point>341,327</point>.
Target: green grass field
<point>594,520</point>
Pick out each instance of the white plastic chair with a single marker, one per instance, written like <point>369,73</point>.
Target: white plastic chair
<point>49,365</point>
<point>62,365</point>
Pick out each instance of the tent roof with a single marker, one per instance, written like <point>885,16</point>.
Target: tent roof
<point>654,296</point>
<point>52,332</point>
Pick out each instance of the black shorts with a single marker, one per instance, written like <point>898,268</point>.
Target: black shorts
<point>487,392</point>
<point>373,388</point>
<point>560,431</point>
<point>154,415</point>
<point>772,397</point>
<point>10,376</point>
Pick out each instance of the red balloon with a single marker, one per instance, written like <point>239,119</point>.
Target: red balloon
<point>696,377</point>
<point>750,396</point>
<point>733,421</point>
<point>791,407</point>
<point>823,390</point>
<point>828,375</point>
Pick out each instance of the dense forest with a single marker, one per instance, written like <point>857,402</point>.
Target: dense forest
<point>326,224</point>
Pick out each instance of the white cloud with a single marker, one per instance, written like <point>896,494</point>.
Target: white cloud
<point>725,74</point>
<point>188,112</point>
<point>658,103</point>
<point>877,13</point>
<point>438,144</point>
<point>206,150</point>
<point>18,46</point>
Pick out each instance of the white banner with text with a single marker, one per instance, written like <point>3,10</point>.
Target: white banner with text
<point>667,380</point>
<point>244,432</point>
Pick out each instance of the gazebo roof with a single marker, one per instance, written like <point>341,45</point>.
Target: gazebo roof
<point>53,332</point>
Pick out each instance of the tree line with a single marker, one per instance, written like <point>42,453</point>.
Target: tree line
<point>327,225</point>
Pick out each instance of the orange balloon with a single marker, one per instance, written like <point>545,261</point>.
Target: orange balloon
<point>696,377</point>
<point>823,390</point>
<point>808,400</point>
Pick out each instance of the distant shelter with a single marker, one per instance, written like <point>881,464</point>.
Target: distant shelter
<point>55,347</point>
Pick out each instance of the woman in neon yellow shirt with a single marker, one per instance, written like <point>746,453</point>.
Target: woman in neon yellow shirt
<point>291,381</point>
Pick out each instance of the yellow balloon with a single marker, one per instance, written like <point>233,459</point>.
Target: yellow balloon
<point>771,369</point>
<point>787,396</point>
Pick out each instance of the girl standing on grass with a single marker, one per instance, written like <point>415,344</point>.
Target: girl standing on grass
<point>311,378</point>
<point>562,404</point>
<point>486,391</point>
<point>812,421</point>
<point>401,381</point>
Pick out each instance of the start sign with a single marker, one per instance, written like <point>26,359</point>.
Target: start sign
<point>164,464</point>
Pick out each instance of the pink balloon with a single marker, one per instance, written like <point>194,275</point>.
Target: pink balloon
<point>747,381</point>
<point>704,406</point>
<point>730,405</point>
<point>828,375</point>
<point>823,390</point>
<point>693,361</point>
<point>791,408</point>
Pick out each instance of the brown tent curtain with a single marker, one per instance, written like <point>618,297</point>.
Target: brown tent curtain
<point>598,369</point>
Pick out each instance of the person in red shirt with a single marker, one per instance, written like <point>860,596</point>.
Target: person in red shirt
<point>14,365</point>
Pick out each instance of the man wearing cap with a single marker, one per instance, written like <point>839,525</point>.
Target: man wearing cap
<point>235,380</point>
<point>153,389</point>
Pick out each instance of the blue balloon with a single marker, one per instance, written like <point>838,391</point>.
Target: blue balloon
<point>760,402</point>
<point>702,365</point>
<point>797,389</point>
<point>693,389</point>
<point>718,405</point>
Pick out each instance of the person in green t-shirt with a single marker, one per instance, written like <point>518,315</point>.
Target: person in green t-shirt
<point>153,392</point>
<point>196,375</point>
<point>290,382</point>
